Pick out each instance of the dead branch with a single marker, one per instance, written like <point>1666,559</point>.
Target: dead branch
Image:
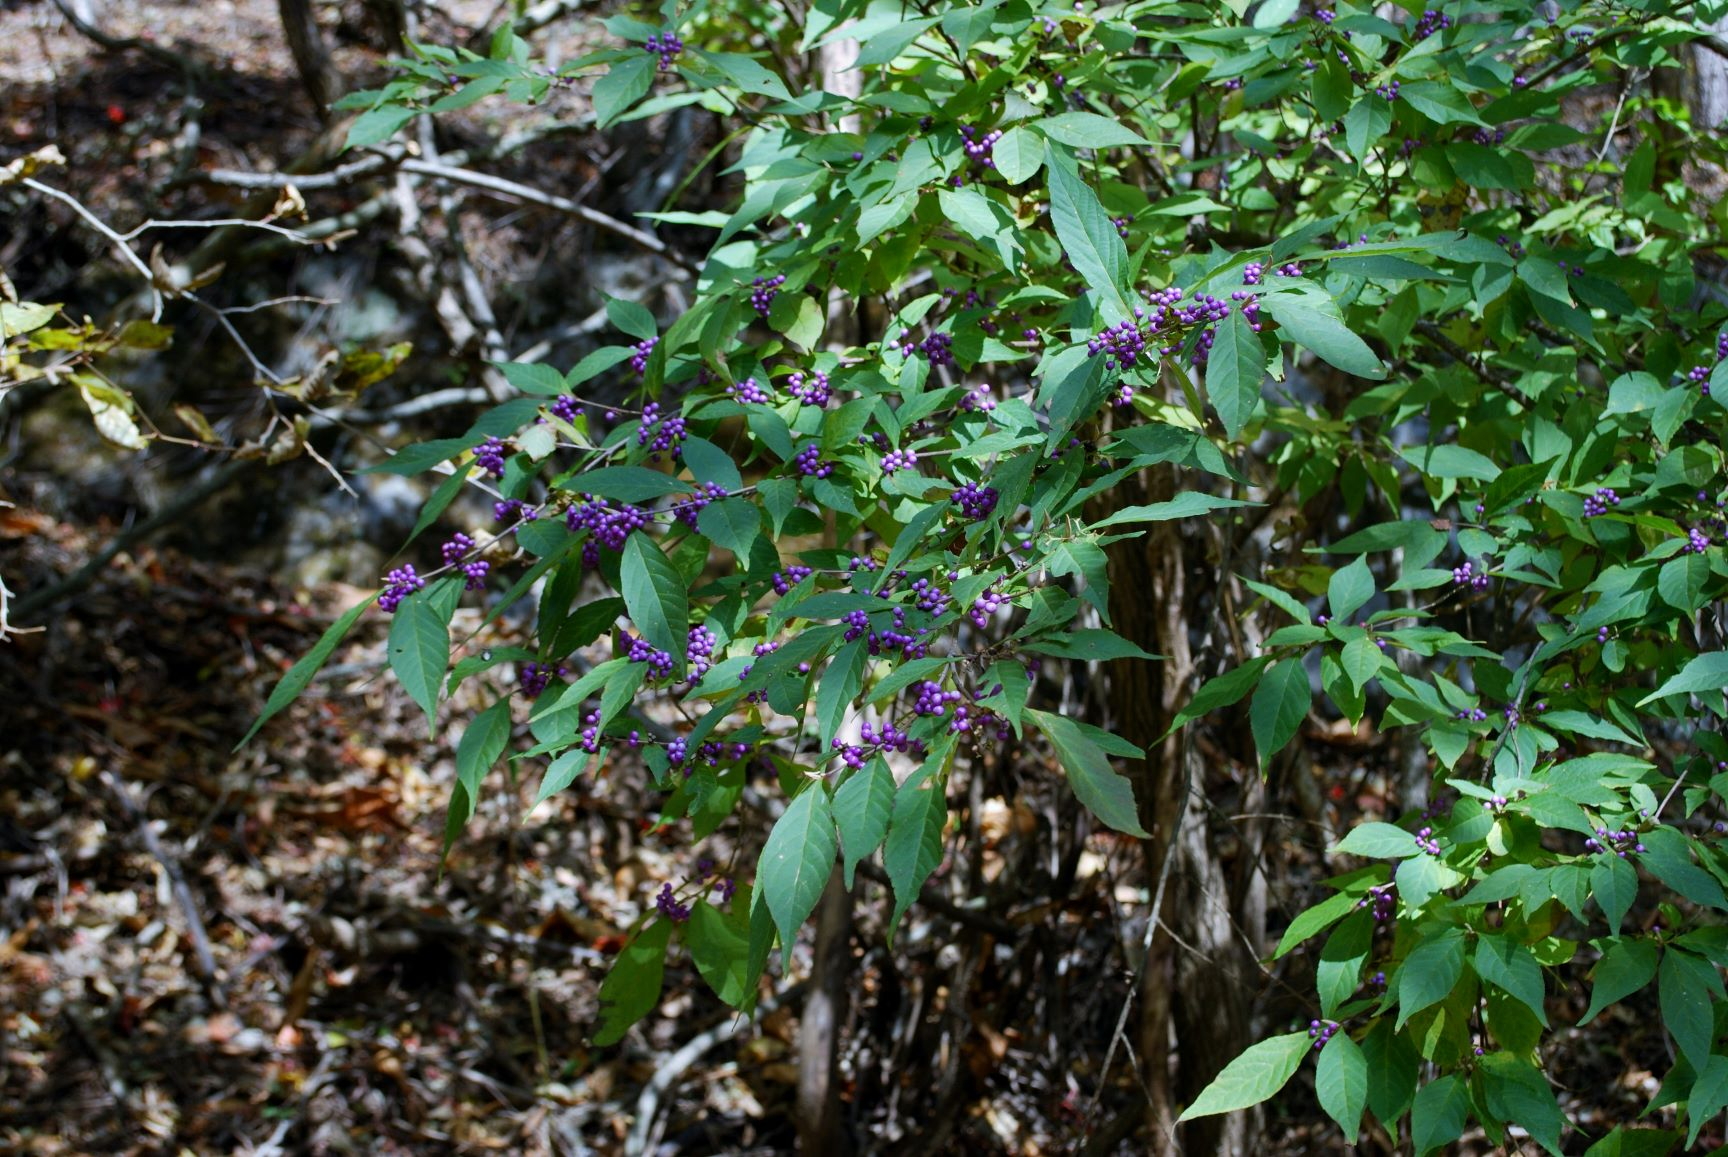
<point>203,960</point>
<point>594,217</point>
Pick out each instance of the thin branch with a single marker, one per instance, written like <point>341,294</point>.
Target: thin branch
<point>203,960</point>
<point>594,217</point>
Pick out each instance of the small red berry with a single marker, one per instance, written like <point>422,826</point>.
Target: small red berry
<point>116,115</point>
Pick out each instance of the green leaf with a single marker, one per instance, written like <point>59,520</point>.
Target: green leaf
<point>632,317</point>
<point>378,125</point>
<point>1682,580</point>
<point>1018,153</point>
<point>1235,368</point>
<point>1361,660</point>
<point>1392,1070</point>
<point>1315,920</point>
<point>1437,1116</point>
<point>625,483</point>
<point>1503,961</point>
<point>719,944</point>
<point>655,595</point>
<point>1683,985</point>
<point>1188,504</point>
<point>1377,841</point>
<point>482,743</point>
<point>1668,856</point>
<point>797,860</point>
<point>1222,691</point>
<point>419,650</point>
<point>1614,883</point>
<point>733,523</point>
<point>1253,1077</point>
<point>1625,1142</point>
<point>627,82</point>
<point>1341,1082</point>
<point>1709,1096</point>
<point>1088,130</point>
<point>1430,972</point>
<point>914,845</point>
<point>299,676</point>
<point>1627,965</point>
<point>1518,1093</point>
<point>632,988</point>
<point>1704,673</point>
<point>1348,589</point>
<point>1106,794</point>
<point>1087,235</point>
<point>561,773</point>
<point>1309,317</point>
<point>1339,971</point>
<point>839,687</point>
<point>1280,704</point>
<point>1451,462</point>
<point>862,806</point>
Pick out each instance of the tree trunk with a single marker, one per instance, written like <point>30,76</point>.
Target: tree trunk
<point>1199,993</point>
<point>311,54</point>
<point>1707,87</point>
<point>818,1116</point>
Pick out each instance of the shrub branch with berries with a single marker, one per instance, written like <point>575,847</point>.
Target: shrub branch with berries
<point>1449,401</point>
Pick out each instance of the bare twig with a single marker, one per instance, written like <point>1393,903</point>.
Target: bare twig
<point>203,960</point>
<point>676,1065</point>
<point>505,188</point>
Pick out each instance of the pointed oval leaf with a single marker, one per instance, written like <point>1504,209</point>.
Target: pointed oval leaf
<point>796,861</point>
<point>1252,1077</point>
<point>655,595</point>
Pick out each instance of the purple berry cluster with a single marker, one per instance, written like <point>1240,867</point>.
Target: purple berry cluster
<point>690,510</point>
<point>489,456</point>
<point>1599,502</point>
<point>978,148</point>
<point>785,580</point>
<point>748,391</point>
<point>1426,842</point>
<point>931,597</point>
<point>1697,542</point>
<point>661,434</point>
<point>532,678</point>
<point>660,663</point>
<point>938,348</point>
<point>644,350</point>
<point>810,462</point>
<point>699,651</point>
<point>763,291</point>
<point>1468,577</point>
<point>607,526</point>
<point>1252,273</point>
<point>668,906</point>
<point>985,605</point>
<point>975,500</point>
<point>1321,1030</point>
<point>564,408</point>
<point>979,398</point>
<point>1619,842</point>
<point>514,508</point>
<point>667,46</point>
<point>398,585</point>
<point>888,738</point>
<point>1432,21</point>
<point>1473,715</point>
<point>899,460</point>
<point>1381,901</point>
<point>932,699</point>
<point>475,571</point>
<point>812,389</point>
